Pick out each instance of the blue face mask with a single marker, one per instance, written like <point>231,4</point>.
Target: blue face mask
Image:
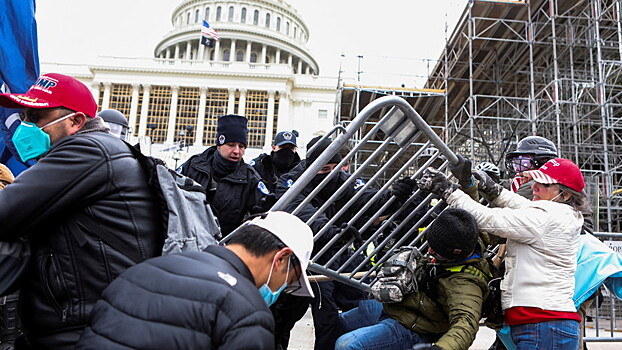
<point>30,141</point>
<point>267,294</point>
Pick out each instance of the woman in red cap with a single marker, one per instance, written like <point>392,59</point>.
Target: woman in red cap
<point>542,242</point>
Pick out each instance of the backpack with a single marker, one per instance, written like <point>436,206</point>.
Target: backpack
<point>188,221</point>
<point>396,277</point>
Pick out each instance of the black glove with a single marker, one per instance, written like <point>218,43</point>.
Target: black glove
<point>487,186</point>
<point>425,346</point>
<point>349,230</point>
<point>403,188</point>
<point>436,182</point>
<point>462,171</point>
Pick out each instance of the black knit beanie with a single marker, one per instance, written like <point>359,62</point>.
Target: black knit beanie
<point>453,235</point>
<point>312,156</point>
<point>231,128</point>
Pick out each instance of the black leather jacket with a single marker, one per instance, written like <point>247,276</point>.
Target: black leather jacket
<point>85,183</point>
<point>236,195</point>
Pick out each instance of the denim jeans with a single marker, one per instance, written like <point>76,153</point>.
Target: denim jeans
<point>369,328</point>
<point>554,335</point>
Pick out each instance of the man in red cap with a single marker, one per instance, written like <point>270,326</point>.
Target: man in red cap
<point>85,186</point>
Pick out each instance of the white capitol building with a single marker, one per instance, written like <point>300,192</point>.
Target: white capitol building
<point>260,68</point>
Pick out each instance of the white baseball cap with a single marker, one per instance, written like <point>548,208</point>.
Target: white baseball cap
<point>295,234</point>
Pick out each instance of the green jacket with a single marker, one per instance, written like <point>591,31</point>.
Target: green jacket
<point>455,314</point>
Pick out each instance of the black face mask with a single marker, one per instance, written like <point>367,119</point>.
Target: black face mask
<point>331,187</point>
<point>283,159</point>
<point>223,166</point>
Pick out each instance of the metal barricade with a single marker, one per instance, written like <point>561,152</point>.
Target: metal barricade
<point>392,147</point>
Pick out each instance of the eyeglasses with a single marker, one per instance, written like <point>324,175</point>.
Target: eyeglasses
<point>295,286</point>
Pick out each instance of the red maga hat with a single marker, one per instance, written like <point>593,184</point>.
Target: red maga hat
<point>54,90</point>
<point>558,171</point>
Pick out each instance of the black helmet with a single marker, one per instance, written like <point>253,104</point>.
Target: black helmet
<point>116,121</point>
<point>542,150</point>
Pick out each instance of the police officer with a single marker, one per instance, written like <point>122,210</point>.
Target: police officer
<point>116,121</point>
<point>234,189</point>
<point>281,160</point>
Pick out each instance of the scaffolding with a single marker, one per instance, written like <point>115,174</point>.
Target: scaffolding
<point>551,68</point>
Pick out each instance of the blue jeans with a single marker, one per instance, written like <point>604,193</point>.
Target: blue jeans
<point>561,334</point>
<point>367,327</point>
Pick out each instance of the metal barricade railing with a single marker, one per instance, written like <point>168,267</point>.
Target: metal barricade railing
<point>382,220</point>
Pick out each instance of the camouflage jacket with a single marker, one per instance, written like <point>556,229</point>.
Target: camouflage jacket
<point>454,314</point>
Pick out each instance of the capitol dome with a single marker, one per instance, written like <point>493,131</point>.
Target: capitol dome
<point>263,32</point>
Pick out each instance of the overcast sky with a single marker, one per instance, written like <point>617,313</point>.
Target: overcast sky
<point>393,36</point>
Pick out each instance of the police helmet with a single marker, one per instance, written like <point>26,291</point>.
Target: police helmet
<point>116,121</point>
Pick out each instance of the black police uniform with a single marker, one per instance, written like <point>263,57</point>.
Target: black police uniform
<point>232,197</point>
<point>268,172</point>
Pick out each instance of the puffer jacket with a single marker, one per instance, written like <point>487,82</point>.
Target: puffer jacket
<point>192,300</point>
<point>237,194</point>
<point>85,183</point>
<point>453,316</point>
<point>265,169</point>
<point>542,243</point>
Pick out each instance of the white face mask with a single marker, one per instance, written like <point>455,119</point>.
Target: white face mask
<point>557,196</point>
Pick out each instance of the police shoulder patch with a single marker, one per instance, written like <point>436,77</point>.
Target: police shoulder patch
<point>252,163</point>
<point>290,183</point>
<point>358,184</point>
<point>262,188</point>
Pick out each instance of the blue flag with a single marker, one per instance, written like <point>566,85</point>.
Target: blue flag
<point>19,68</point>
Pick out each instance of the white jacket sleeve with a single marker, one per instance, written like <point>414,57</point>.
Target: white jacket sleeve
<point>519,220</point>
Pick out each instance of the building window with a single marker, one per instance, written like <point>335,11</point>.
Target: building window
<point>226,55</point>
<point>215,106</point>
<point>267,20</point>
<point>243,17</point>
<point>230,13</point>
<point>253,57</point>
<point>286,28</point>
<point>187,114</point>
<point>188,18</point>
<point>256,111</point>
<point>256,17</point>
<point>278,24</point>
<point>196,16</point>
<point>159,109</point>
<point>207,14</point>
<point>295,32</point>
<point>322,114</point>
<point>239,56</point>
<point>218,13</point>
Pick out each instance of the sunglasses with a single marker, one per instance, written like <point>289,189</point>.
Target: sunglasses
<point>295,286</point>
<point>523,163</point>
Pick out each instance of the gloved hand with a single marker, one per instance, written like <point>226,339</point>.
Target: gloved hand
<point>425,346</point>
<point>487,186</point>
<point>462,171</point>
<point>403,188</point>
<point>349,230</point>
<point>436,182</point>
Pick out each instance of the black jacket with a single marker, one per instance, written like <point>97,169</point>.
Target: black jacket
<point>287,180</point>
<point>269,174</point>
<point>190,300</point>
<point>85,183</point>
<point>237,195</point>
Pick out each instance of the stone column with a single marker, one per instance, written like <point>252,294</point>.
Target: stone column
<point>282,120</point>
<point>170,132</point>
<point>217,51</point>
<point>231,102</point>
<point>144,111</point>
<point>263,54</point>
<point>290,60</point>
<point>201,54</point>
<point>188,50</point>
<point>277,59</point>
<point>269,122</point>
<point>168,53</point>
<point>242,104</point>
<point>232,48</point>
<point>95,87</point>
<point>198,141</point>
<point>249,49</point>
<point>106,98</point>
<point>299,66</point>
<point>176,57</point>
<point>134,107</point>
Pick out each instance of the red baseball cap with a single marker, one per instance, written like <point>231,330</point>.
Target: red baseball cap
<point>54,90</point>
<point>558,171</point>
